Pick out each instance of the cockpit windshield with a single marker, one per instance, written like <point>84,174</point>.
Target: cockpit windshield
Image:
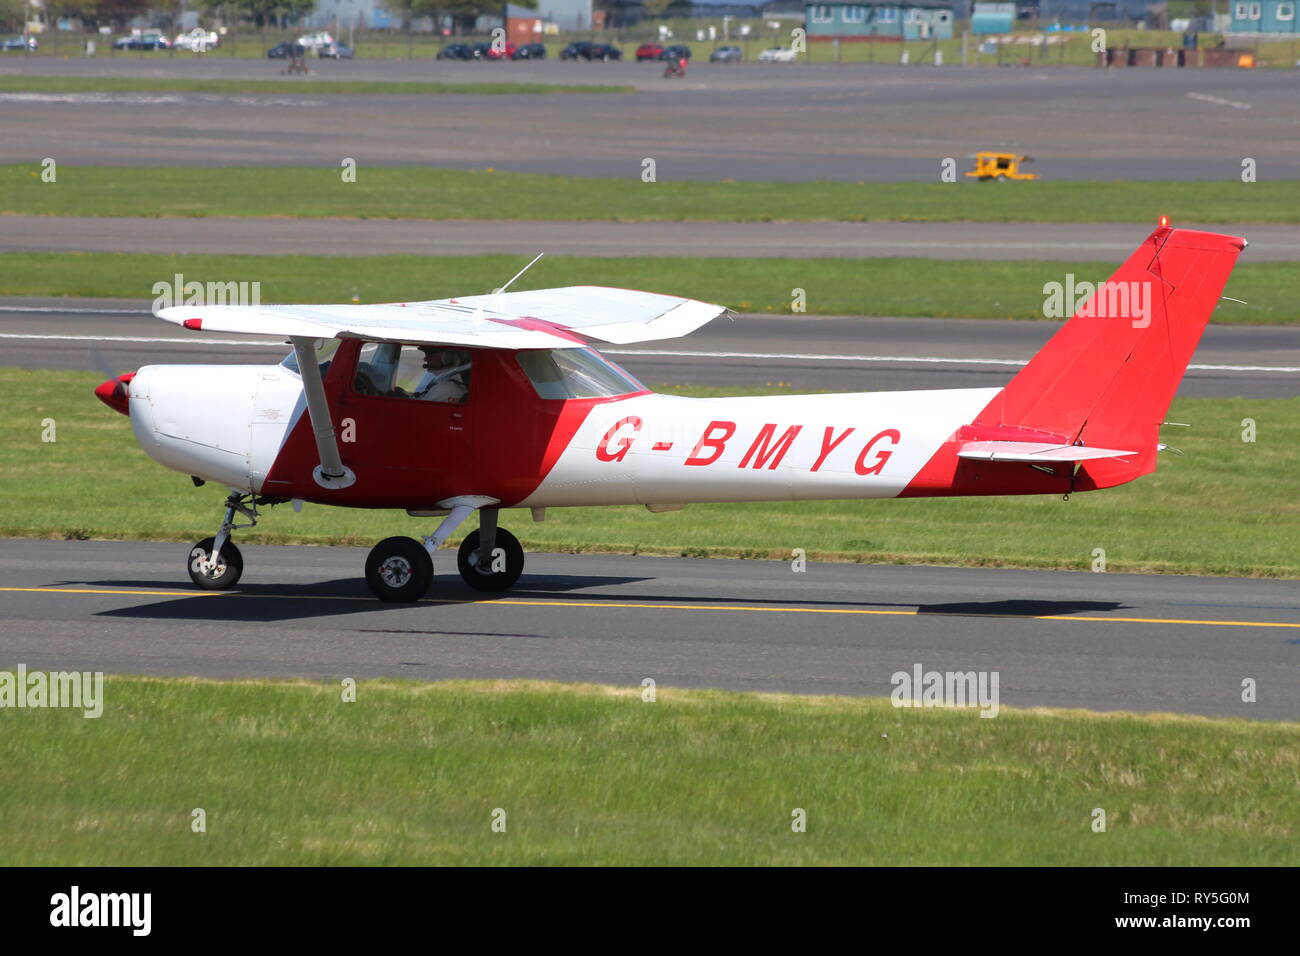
<point>575,373</point>
<point>325,349</point>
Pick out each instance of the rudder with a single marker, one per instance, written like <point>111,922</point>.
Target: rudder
<point>1107,378</point>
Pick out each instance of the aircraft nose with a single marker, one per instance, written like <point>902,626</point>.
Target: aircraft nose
<point>116,393</point>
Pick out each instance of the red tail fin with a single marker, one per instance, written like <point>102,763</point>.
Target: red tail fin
<point>1107,377</point>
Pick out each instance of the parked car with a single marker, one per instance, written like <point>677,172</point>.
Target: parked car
<point>480,51</point>
<point>456,51</point>
<point>142,41</point>
<point>678,51</point>
<point>286,50</point>
<point>197,40</point>
<point>778,54</point>
<point>530,51</point>
<point>334,51</point>
<point>314,41</point>
<point>726,54</point>
<point>19,43</point>
<point>586,50</point>
<point>506,52</point>
<point>648,51</point>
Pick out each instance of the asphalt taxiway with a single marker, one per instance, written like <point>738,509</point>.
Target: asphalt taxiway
<point>1061,639</point>
<point>1098,241</point>
<point>782,122</point>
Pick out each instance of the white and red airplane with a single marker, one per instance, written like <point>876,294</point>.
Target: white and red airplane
<point>456,406</point>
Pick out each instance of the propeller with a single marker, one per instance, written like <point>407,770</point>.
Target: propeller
<point>99,362</point>
<point>116,391</point>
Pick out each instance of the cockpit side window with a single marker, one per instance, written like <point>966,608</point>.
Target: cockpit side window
<point>431,373</point>
<point>575,373</point>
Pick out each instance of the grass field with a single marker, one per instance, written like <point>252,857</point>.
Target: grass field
<point>287,773</point>
<point>298,84</point>
<point>428,193</point>
<point>1225,508</point>
<point>997,289</point>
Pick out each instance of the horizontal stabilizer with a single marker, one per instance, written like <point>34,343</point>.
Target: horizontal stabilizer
<point>1035,451</point>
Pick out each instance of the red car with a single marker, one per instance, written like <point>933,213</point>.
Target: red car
<point>648,51</point>
<point>506,53</point>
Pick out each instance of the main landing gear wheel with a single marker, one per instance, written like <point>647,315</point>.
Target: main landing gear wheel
<point>399,569</point>
<point>500,571</point>
<point>226,572</point>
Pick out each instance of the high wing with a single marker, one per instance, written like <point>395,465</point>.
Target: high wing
<point>546,318</point>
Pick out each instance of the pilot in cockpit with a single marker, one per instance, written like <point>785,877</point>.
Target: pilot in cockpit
<point>446,375</point>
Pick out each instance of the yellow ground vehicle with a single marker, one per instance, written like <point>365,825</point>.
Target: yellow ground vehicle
<point>1000,167</point>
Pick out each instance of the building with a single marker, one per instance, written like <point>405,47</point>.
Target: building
<point>630,13</point>
<point>879,19</point>
<point>339,15</point>
<point>992,18</point>
<point>1270,17</point>
<point>566,14</point>
<point>1084,11</point>
<point>523,25</point>
<point>375,15</point>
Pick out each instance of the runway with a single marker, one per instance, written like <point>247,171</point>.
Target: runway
<point>1110,242</point>
<point>806,352</point>
<point>794,122</point>
<point>1061,639</point>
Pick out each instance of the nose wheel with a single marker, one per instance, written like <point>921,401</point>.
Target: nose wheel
<point>215,563</point>
<point>399,569</point>
<point>215,575</point>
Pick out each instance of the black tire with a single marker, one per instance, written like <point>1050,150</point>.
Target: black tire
<point>230,565</point>
<point>399,569</point>
<point>511,551</point>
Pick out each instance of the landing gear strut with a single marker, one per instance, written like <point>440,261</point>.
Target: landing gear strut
<point>490,559</point>
<point>215,563</point>
<point>490,568</point>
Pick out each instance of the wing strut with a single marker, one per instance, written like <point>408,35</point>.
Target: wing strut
<point>330,473</point>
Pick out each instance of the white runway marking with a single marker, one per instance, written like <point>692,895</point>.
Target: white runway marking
<point>775,356</point>
<point>61,310</point>
<point>1207,98</point>
<point>153,99</point>
<point>271,342</point>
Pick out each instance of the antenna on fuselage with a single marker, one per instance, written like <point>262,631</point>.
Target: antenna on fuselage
<point>478,313</point>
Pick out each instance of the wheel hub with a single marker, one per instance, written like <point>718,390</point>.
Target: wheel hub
<point>396,571</point>
<point>199,562</point>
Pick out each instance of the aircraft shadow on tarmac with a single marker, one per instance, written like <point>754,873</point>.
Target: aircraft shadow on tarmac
<point>271,603</point>
<point>268,603</point>
<point>1019,608</point>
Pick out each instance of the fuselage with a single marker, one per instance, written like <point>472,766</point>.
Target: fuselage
<point>528,443</point>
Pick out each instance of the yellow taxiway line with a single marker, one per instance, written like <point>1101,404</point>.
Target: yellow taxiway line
<point>759,608</point>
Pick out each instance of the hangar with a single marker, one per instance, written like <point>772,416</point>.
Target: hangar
<point>880,19</point>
